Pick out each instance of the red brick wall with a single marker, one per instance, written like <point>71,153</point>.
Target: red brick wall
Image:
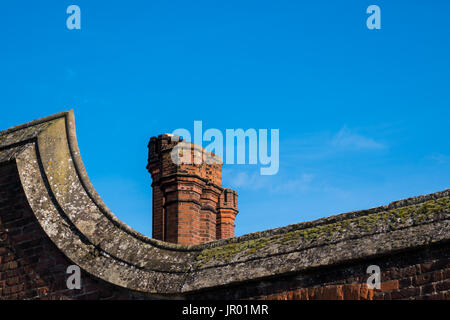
<point>420,275</point>
<point>30,264</point>
<point>226,214</point>
<point>208,213</point>
<point>158,213</point>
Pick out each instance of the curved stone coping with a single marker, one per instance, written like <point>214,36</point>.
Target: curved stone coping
<point>88,233</point>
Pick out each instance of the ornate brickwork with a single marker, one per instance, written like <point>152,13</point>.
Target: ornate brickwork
<point>189,204</point>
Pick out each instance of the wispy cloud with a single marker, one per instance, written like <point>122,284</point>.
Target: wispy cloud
<point>325,145</point>
<point>244,179</point>
<point>301,183</point>
<point>295,177</point>
<point>439,158</point>
<point>70,73</point>
<point>347,139</point>
<point>275,184</point>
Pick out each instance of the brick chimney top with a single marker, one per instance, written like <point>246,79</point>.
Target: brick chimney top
<point>189,204</point>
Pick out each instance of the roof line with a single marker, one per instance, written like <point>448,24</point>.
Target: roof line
<point>36,122</point>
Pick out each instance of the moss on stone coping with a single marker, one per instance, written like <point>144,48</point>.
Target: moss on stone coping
<point>392,219</point>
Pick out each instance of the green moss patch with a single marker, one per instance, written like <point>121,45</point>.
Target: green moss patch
<point>388,220</point>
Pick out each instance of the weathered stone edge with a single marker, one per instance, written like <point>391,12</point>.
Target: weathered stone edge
<point>250,264</point>
<point>73,144</point>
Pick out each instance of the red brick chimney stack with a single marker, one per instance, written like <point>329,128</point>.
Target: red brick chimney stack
<point>189,204</point>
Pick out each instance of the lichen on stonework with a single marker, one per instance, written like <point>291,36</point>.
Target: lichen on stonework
<point>385,221</point>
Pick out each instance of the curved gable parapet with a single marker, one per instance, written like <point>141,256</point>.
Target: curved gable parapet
<point>77,221</point>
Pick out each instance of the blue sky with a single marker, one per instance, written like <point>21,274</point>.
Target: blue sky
<point>363,114</point>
